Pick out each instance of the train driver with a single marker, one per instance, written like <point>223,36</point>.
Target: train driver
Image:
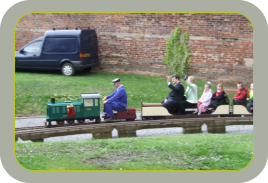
<point>115,101</point>
<point>172,101</point>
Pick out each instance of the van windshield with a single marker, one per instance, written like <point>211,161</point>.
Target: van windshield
<point>33,47</point>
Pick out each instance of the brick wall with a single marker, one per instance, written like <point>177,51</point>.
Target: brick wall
<point>221,44</point>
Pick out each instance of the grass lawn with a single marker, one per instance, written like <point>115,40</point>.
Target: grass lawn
<point>177,152</point>
<point>34,89</point>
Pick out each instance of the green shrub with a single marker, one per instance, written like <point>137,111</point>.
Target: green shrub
<point>177,54</point>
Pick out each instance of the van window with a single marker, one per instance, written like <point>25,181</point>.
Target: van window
<point>33,47</point>
<point>60,45</point>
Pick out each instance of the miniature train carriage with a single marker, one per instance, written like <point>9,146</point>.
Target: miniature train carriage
<point>87,108</point>
<point>129,114</point>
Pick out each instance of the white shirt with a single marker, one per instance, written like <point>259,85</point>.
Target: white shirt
<point>175,84</point>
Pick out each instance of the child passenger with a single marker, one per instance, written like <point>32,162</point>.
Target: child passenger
<point>242,95</point>
<point>205,99</point>
<point>218,98</point>
<point>250,99</point>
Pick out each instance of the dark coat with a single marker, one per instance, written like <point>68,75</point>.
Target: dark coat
<point>219,100</point>
<point>177,93</point>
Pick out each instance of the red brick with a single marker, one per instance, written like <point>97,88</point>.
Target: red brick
<point>145,48</point>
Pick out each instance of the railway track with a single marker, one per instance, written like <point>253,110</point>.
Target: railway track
<point>190,125</point>
<point>28,128</point>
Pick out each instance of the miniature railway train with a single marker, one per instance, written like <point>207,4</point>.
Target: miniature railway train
<point>89,108</point>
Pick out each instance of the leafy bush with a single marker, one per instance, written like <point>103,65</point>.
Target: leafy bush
<point>178,54</point>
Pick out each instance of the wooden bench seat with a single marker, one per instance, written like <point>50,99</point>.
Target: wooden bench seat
<point>156,109</point>
<point>151,105</point>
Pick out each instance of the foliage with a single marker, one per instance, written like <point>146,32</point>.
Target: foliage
<point>178,54</point>
<point>176,152</point>
<point>34,89</point>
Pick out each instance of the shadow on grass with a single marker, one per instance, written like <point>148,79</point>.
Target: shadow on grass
<point>53,72</point>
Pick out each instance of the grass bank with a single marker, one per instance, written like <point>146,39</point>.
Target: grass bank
<point>34,89</point>
<point>177,152</point>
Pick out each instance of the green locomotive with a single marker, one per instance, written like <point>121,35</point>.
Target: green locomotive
<point>87,108</point>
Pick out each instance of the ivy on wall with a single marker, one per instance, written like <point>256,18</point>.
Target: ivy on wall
<point>178,55</point>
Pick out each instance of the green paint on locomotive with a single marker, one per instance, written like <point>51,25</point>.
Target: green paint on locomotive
<point>87,108</point>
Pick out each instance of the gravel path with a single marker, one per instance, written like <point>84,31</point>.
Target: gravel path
<point>39,121</point>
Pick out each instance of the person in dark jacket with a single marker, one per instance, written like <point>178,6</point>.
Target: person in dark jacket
<point>218,98</point>
<point>172,101</point>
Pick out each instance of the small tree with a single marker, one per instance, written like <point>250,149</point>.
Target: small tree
<point>177,54</point>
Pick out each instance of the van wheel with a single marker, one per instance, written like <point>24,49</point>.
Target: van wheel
<point>67,69</point>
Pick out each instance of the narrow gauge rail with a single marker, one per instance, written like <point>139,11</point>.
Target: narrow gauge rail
<point>128,128</point>
<point>28,128</point>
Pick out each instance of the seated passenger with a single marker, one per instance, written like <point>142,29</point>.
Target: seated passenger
<point>115,101</point>
<point>190,94</point>
<point>218,98</point>
<point>205,99</point>
<point>242,95</point>
<point>250,99</point>
<point>171,103</point>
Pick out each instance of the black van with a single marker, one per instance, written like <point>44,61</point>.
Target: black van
<point>68,50</point>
